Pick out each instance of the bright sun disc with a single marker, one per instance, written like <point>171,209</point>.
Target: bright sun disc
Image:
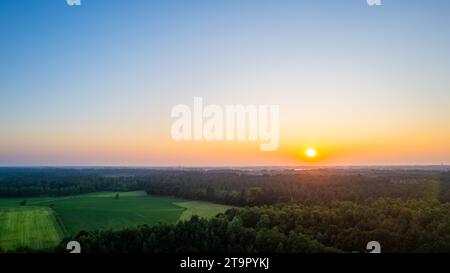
<point>311,153</point>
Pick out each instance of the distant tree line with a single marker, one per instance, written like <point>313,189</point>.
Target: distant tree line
<point>233,187</point>
<point>312,187</point>
<point>444,187</point>
<point>55,182</point>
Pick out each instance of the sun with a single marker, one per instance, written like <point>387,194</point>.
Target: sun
<point>311,153</point>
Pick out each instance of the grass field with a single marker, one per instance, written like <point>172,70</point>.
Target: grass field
<point>33,227</point>
<point>15,202</point>
<point>200,208</point>
<point>100,210</point>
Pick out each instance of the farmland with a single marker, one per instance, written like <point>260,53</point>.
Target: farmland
<point>329,210</point>
<point>200,208</point>
<point>55,217</point>
<point>29,227</point>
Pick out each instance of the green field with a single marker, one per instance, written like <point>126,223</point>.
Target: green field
<point>33,227</point>
<point>101,210</point>
<point>200,208</point>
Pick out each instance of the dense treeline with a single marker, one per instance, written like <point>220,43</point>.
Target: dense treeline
<point>218,235</point>
<point>444,187</point>
<point>59,182</point>
<point>231,186</point>
<point>308,187</point>
<point>411,226</point>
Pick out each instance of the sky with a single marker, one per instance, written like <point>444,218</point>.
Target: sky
<point>95,84</point>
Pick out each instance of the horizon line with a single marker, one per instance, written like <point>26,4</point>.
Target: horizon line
<point>228,166</point>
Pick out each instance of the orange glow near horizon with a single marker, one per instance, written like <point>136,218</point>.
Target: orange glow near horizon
<point>149,148</point>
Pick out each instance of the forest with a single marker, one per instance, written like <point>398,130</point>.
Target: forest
<point>412,226</point>
<point>285,211</point>
<point>234,187</point>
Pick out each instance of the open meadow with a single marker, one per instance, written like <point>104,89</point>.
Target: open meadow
<point>41,222</point>
<point>29,227</point>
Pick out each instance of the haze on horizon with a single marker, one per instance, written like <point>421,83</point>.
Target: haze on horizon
<point>93,85</point>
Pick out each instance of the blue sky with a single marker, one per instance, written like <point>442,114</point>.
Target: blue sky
<point>111,70</point>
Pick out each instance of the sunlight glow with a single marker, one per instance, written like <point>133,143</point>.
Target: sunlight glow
<point>311,153</point>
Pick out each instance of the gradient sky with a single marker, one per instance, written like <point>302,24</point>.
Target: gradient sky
<point>95,84</point>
